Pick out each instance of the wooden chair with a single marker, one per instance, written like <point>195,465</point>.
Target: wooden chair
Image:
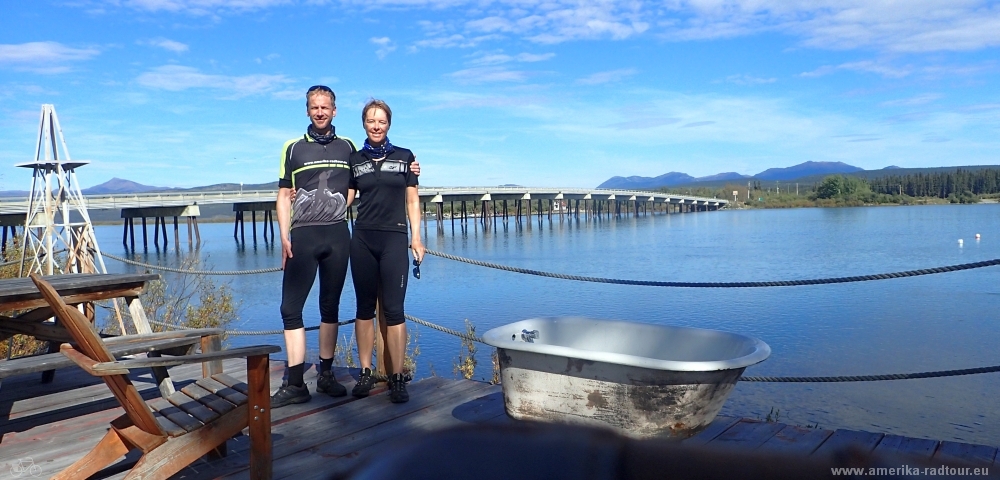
<point>190,423</point>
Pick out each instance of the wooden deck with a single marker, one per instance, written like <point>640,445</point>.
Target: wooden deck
<point>54,424</point>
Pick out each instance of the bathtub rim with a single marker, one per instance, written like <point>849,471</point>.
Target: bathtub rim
<point>493,337</point>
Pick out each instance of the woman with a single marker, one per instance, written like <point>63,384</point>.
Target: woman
<point>379,261</point>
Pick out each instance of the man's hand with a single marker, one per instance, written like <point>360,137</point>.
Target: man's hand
<point>415,166</point>
<point>286,251</point>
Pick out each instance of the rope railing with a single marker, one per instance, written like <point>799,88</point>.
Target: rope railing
<point>759,379</point>
<point>617,281</point>
<point>473,338</point>
<point>777,283</point>
<point>195,272</point>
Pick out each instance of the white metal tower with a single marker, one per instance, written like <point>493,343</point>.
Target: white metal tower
<point>57,221</point>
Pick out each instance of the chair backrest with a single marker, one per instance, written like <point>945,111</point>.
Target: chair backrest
<point>91,345</point>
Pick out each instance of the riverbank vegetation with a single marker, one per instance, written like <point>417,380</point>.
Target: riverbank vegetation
<point>960,186</point>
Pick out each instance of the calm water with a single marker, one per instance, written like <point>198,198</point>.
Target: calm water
<point>936,322</point>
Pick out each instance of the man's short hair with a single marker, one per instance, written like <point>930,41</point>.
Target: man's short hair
<point>379,104</point>
<point>320,90</point>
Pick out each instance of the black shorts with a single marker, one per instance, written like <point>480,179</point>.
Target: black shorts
<point>318,247</point>
<point>380,259</point>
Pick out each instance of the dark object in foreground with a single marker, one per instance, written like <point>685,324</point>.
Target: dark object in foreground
<point>535,451</point>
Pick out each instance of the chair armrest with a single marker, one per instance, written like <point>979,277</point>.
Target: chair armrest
<point>242,352</point>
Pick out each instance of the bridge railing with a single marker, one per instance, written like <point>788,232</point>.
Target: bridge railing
<point>136,200</point>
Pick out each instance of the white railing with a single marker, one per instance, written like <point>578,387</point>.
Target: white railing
<point>168,199</point>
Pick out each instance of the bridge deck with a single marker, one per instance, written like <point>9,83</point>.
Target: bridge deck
<point>12,205</point>
<point>55,424</point>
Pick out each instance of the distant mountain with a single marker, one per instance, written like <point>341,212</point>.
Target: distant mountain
<point>119,185</point>
<point>722,177</point>
<point>676,178</point>
<point>665,180</point>
<point>806,169</point>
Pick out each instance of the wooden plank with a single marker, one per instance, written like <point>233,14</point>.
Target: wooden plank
<point>174,414</point>
<point>72,283</point>
<point>303,432</point>
<point>747,434</point>
<point>70,299</point>
<point>258,417</point>
<point>915,447</point>
<point>796,440</point>
<point>50,332</point>
<point>208,398</point>
<point>50,361</point>
<point>223,390</point>
<point>366,423</point>
<point>172,429</point>
<point>192,407</point>
<point>720,424</point>
<point>212,343</point>
<point>194,332</point>
<point>241,352</point>
<point>233,383</point>
<point>951,452</point>
<point>138,314</point>
<point>841,439</point>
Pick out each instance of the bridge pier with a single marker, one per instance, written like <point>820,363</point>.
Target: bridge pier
<point>159,215</point>
<point>239,225</point>
<point>10,222</point>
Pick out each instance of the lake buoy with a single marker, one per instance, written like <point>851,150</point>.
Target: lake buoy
<point>960,241</point>
<point>977,236</point>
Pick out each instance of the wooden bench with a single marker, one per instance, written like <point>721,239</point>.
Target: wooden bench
<point>21,295</point>
<point>181,342</point>
<point>171,432</point>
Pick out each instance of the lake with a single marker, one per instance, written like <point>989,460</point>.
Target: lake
<point>934,322</point>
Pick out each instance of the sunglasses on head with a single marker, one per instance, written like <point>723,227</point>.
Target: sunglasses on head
<point>322,88</point>
<point>416,269</point>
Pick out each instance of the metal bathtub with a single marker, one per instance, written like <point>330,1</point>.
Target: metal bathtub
<point>641,379</point>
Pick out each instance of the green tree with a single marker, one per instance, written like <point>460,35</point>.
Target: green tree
<point>839,186</point>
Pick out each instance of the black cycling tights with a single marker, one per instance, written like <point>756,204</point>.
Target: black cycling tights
<point>380,259</point>
<point>326,247</point>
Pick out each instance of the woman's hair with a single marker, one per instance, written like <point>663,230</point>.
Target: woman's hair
<point>379,104</point>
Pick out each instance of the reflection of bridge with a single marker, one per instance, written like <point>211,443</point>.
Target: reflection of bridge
<point>486,202</point>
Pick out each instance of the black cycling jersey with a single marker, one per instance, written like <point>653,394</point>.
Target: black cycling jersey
<point>382,186</point>
<point>320,175</point>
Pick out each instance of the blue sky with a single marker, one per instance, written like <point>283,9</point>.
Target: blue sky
<point>554,93</point>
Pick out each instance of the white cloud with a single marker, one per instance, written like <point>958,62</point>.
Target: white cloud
<point>501,58</point>
<point>531,57</point>
<point>698,124</point>
<point>488,75</point>
<point>385,46</point>
<point>166,44</point>
<point>885,25</point>
<point>197,7</point>
<point>921,99</point>
<point>865,66</point>
<point>913,26</point>
<point>749,80</point>
<point>177,78</point>
<point>610,76</point>
<point>43,57</point>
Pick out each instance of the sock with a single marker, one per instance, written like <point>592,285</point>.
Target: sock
<point>295,375</point>
<point>325,364</point>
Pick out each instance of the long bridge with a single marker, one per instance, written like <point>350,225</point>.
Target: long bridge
<point>462,203</point>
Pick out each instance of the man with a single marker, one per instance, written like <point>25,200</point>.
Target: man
<point>314,171</point>
<point>312,207</point>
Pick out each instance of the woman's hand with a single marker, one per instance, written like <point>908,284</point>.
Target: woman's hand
<point>418,249</point>
<point>415,166</point>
